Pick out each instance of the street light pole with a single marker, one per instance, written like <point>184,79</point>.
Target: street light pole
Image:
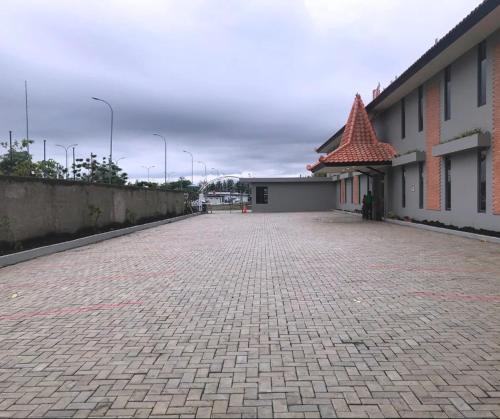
<point>110,137</point>
<point>165,141</point>
<point>192,165</point>
<point>203,163</point>
<point>147,168</point>
<point>74,166</point>
<point>66,148</point>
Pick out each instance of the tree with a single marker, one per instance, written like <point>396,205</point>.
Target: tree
<point>16,161</point>
<point>92,171</point>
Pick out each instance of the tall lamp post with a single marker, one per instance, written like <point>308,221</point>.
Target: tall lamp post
<point>110,137</point>
<point>147,168</point>
<point>203,163</point>
<point>66,148</point>
<point>165,141</point>
<point>192,165</point>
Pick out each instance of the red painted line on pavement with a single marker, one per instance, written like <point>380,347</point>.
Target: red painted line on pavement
<point>69,310</point>
<point>424,269</point>
<point>456,296</point>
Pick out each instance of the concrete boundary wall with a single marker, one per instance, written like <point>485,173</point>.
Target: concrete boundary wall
<point>32,208</point>
<point>84,241</point>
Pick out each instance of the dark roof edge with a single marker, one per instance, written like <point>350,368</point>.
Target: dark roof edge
<point>481,11</point>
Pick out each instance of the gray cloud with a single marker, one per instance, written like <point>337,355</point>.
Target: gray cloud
<point>245,86</point>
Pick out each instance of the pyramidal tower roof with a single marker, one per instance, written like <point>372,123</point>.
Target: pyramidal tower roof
<point>359,144</point>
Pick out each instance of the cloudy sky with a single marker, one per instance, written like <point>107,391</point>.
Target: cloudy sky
<point>248,86</point>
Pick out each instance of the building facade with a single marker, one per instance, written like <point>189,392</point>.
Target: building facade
<point>442,119</point>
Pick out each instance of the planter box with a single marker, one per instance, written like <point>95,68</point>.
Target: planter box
<point>408,158</point>
<point>462,144</point>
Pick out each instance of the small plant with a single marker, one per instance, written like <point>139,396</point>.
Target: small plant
<point>94,214</point>
<point>130,216</point>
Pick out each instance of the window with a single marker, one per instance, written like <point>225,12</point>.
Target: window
<point>447,88</point>
<point>481,187</point>
<point>359,189</point>
<point>481,74</point>
<point>262,195</point>
<point>420,108</point>
<point>447,183</point>
<point>403,186</point>
<point>352,190</point>
<point>421,185</point>
<point>403,122</point>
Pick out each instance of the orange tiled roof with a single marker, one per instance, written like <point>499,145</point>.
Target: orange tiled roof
<point>359,143</point>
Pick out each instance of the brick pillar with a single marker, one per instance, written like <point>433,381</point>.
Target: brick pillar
<point>355,179</point>
<point>432,138</point>
<point>495,147</point>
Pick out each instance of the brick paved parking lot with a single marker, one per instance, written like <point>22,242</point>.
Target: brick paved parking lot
<point>232,315</point>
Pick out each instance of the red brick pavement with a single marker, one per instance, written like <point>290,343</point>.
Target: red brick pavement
<point>232,315</point>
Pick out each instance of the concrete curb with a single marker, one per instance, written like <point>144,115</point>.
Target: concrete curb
<point>464,234</point>
<point>72,244</point>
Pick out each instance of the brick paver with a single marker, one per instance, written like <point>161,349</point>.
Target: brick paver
<point>232,315</point>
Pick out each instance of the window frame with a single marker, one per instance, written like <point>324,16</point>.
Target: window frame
<point>481,192</point>
<point>403,118</point>
<point>403,186</point>
<point>447,183</point>
<point>481,74</point>
<point>421,184</point>
<point>265,195</point>
<point>420,108</point>
<point>447,93</point>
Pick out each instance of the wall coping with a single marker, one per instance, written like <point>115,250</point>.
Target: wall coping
<point>413,157</point>
<point>469,142</point>
<point>69,182</point>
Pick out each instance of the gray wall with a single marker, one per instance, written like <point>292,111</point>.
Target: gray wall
<point>465,116</point>
<point>34,208</point>
<point>295,197</point>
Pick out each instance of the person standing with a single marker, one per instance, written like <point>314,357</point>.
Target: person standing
<point>369,205</point>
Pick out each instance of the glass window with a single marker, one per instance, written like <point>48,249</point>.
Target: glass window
<point>262,195</point>
<point>447,92</point>
<point>481,187</point>
<point>481,74</point>
<point>403,186</point>
<point>403,119</point>
<point>421,184</point>
<point>359,188</point>
<point>420,108</point>
<point>447,183</point>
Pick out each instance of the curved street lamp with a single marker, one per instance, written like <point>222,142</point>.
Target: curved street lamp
<point>110,137</point>
<point>66,148</point>
<point>165,141</point>
<point>203,163</point>
<point>147,168</point>
<point>192,165</point>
